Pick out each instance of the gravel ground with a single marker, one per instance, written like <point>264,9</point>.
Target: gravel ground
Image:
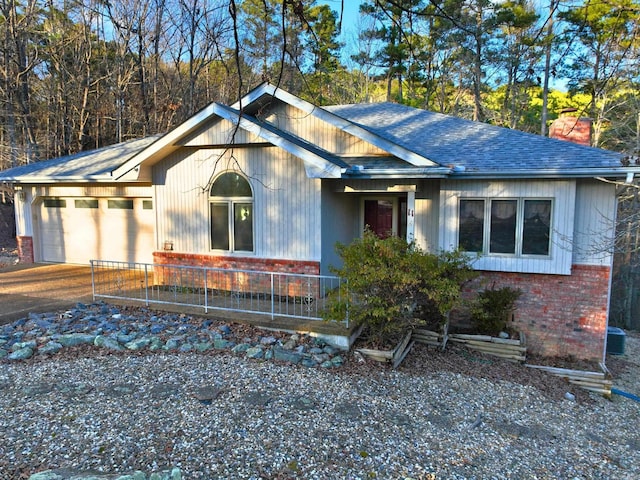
<point>8,256</point>
<point>449,414</point>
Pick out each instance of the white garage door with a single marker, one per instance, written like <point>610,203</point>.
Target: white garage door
<point>76,230</point>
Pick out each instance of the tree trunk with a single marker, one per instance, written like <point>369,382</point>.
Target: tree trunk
<point>544,115</point>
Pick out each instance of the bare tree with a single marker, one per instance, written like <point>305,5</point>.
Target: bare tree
<point>20,56</point>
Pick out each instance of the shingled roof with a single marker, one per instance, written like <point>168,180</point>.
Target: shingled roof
<point>476,147</point>
<point>90,165</point>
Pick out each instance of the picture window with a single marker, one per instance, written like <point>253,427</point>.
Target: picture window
<point>513,226</point>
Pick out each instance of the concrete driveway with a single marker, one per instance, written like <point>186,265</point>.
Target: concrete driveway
<point>42,288</point>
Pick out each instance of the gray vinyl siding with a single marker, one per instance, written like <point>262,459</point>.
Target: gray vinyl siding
<point>286,202</point>
<point>427,215</point>
<point>339,222</point>
<point>563,194</point>
<point>595,223</point>
<point>318,132</point>
<point>220,132</point>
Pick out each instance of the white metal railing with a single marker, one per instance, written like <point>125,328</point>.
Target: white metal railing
<point>248,291</point>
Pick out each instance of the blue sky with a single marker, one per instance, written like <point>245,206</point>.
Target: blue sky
<point>349,14</point>
<point>350,17</point>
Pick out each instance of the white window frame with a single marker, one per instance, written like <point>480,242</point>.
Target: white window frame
<point>231,202</point>
<point>486,241</point>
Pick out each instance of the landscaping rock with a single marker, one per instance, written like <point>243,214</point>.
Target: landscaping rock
<point>156,344</point>
<point>268,340</point>
<point>222,344</point>
<point>67,474</point>
<point>107,327</point>
<point>241,348</point>
<point>203,346</point>
<point>172,344</point>
<point>107,342</point>
<point>283,355</point>
<point>75,339</point>
<point>308,362</point>
<point>21,354</point>
<point>138,344</point>
<point>50,348</point>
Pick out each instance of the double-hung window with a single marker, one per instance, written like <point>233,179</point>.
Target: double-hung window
<point>505,226</point>
<point>231,213</point>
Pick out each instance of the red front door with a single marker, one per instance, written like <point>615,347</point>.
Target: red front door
<point>378,216</point>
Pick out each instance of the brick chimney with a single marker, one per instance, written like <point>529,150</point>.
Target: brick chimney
<point>570,128</point>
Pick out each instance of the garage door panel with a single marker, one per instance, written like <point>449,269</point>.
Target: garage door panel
<point>78,235</point>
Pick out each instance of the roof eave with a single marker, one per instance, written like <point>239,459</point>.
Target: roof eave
<point>411,172</point>
<point>64,179</point>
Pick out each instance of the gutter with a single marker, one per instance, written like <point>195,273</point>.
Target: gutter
<point>459,172</point>
<point>64,180</point>
<point>550,173</point>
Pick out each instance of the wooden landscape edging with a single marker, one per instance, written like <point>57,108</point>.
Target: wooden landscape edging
<point>597,382</point>
<point>428,337</point>
<point>516,350</point>
<point>395,356</point>
<point>508,349</point>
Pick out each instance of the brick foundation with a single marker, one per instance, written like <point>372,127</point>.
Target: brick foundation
<point>237,263</point>
<point>25,249</point>
<point>238,281</point>
<point>561,315</point>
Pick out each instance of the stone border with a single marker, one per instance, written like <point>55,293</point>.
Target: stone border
<point>107,327</point>
<point>173,474</point>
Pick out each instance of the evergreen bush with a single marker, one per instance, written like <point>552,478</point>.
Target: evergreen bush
<point>491,310</point>
<point>392,286</point>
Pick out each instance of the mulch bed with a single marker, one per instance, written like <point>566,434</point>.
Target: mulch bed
<point>426,360</point>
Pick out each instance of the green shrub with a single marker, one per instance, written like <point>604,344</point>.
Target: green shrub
<point>491,310</point>
<point>392,286</point>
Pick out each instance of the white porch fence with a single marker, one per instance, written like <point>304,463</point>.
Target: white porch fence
<point>272,294</point>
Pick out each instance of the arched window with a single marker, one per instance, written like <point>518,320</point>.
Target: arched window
<point>231,211</point>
